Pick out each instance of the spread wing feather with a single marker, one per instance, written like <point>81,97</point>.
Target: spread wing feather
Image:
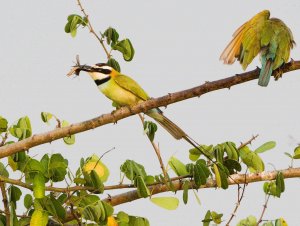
<point>246,41</point>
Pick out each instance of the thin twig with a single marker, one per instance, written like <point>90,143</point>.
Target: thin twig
<point>5,203</point>
<point>157,152</point>
<point>239,199</point>
<point>74,214</point>
<point>264,210</point>
<point>4,139</point>
<point>248,142</point>
<point>92,29</point>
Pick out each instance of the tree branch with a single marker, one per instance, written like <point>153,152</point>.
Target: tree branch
<point>5,203</point>
<point>124,112</point>
<point>236,179</point>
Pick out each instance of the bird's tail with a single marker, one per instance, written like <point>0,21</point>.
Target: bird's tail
<point>174,130</point>
<point>265,72</point>
<point>166,123</point>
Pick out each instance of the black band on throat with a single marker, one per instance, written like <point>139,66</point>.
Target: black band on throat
<point>101,81</point>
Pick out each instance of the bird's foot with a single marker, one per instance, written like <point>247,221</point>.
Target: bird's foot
<point>278,74</point>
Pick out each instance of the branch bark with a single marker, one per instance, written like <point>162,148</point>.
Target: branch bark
<point>235,179</point>
<point>124,112</point>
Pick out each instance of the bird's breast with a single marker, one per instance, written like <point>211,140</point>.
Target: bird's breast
<point>118,94</point>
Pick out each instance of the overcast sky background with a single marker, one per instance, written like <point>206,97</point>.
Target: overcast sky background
<point>177,45</point>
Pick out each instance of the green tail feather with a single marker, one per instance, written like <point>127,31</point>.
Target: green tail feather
<point>265,72</point>
<point>166,123</point>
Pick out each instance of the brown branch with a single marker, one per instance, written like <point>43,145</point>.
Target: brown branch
<point>238,178</point>
<point>124,112</point>
<point>5,203</point>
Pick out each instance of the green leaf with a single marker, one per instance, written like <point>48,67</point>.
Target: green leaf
<point>296,153</point>
<point>265,147</point>
<point>269,223</point>
<point>94,163</point>
<point>68,139</point>
<point>232,166</point>
<point>289,155</point>
<point>280,222</point>
<point>169,203</point>
<point>60,211</point>
<point>149,179</point>
<point>177,166</point>
<point>207,219</point>
<point>3,171</point>
<point>114,64</point>
<point>217,175</point>
<point>150,129</point>
<point>195,153</point>
<point>132,169</point>
<point>96,181</point>
<point>199,175</point>
<point>280,181</point>
<point>57,167</point>
<point>186,185</point>
<point>123,217</point>
<point>3,124</point>
<point>126,48</point>
<point>142,188</point>
<point>39,186</point>
<point>22,129</point>
<point>138,221</point>
<point>249,221</point>
<point>28,201</point>
<point>39,218</point>
<point>46,116</point>
<point>78,180</point>
<point>217,218</point>
<point>111,35</point>
<point>74,21</point>
<point>251,159</point>
<point>14,194</point>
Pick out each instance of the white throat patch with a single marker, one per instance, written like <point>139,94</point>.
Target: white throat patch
<point>98,75</point>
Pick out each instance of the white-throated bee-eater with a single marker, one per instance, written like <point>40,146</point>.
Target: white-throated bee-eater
<point>261,34</point>
<point>124,91</point>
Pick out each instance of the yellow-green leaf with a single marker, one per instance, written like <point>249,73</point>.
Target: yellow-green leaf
<point>217,175</point>
<point>39,218</point>
<point>169,203</point>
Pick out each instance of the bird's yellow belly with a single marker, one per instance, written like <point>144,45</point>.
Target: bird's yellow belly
<point>117,94</point>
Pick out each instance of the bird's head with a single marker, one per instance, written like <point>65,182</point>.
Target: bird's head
<point>97,72</point>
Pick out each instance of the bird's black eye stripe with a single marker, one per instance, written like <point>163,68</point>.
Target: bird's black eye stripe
<point>103,71</point>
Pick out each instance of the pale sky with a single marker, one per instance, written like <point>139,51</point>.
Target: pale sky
<point>177,46</point>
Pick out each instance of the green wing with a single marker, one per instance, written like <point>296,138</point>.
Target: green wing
<point>284,42</point>
<point>257,33</point>
<point>132,86</point>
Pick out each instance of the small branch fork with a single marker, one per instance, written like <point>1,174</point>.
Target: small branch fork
<point>92,30</point>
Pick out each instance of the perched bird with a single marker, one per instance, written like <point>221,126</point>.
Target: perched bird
<point>124,91</point>
<point>261,34</point>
